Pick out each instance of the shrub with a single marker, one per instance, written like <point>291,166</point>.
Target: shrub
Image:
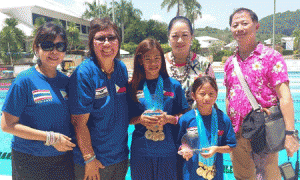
<point>166,48</point>
<point>218,57</point>
<point>130,47</point>
<point>287,52</point>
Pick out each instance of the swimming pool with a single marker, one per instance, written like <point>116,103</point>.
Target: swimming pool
<point>5,162</point>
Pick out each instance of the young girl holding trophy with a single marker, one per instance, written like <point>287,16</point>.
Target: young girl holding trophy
<point>155,104</point>
<point>205,133</point>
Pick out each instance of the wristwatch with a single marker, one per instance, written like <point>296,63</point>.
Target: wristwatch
<point>292,132</point>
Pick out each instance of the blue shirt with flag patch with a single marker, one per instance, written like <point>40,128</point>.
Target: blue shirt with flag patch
<point>174,103</point>
<point>91,92</point>
<point>40,103</point>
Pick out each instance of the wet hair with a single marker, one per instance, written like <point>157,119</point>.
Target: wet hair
<point>139,70</point>
<point>102,24</point>
<point>48,32</point>
<point>240,10</point>
<point>180,19</point>
<point>200,81</point>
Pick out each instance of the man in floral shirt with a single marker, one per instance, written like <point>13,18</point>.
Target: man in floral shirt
<point>265,71</point>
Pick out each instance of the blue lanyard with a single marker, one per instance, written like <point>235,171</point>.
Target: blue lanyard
<point>154,101</point>
<point>203,139</point>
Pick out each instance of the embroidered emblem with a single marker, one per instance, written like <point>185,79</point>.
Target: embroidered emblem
<point>220,132</point>
<point>101,92</point>
<point>120,90</point>
<point>170,94</point>
<point>40,96</point>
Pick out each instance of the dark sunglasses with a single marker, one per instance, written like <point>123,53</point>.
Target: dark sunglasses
<point>49,46</point>
<point>102,39</point>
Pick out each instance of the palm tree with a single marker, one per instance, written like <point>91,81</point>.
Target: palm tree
<point>73,35</point>
<point>12,41</point>
<point>37,23</point>
<point>180,3</point>
<point>296,34</point>
<point>193,11</point>
<point>125,13</point>
<point>96,11</point>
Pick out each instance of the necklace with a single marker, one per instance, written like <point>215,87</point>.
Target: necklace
<point>108,74</point>
<point>175,72</point>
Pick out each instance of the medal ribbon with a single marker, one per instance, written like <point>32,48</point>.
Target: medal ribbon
<point>203,139</point>
<point>155,103</point>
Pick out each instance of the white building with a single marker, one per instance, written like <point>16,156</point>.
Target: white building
<point>288,43</point>
<point>206,41</point>
<point>27,11</point>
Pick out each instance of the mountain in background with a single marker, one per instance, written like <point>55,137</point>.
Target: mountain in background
<point>285,23</point>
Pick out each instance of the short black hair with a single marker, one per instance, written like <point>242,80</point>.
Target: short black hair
<point>49,32</point>
<point>252,14</point>
<point>181,19</point>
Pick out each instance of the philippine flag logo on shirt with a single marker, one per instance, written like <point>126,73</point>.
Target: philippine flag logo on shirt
<point>40,96</point>
<point>120,90</point>
<point>64,94</point>
<point>101,92</point>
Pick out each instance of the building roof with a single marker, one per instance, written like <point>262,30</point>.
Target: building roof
<point>232,44</point>
<point>206,41</point>
<point>48,4</point>
<point>287,38</point>
<point>206,38</point>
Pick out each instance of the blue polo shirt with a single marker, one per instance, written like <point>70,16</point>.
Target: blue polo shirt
<point>40,103</point>
<point>174,103</point>
<point>105,100</point>
<point>188,120</point>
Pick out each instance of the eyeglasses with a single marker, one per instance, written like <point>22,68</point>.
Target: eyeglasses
<point>102,39</point>
<point>49,46</point>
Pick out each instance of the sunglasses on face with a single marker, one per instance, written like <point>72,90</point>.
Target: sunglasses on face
<point>49,46</point>
<point>102,39</point>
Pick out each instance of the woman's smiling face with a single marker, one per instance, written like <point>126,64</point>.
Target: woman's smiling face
<point>180,37</point>
<point>51,58</point>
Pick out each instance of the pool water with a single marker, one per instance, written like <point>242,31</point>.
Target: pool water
<point>5,162</point>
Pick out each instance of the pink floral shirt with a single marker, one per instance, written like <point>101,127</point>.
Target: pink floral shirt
<point>263,70</point>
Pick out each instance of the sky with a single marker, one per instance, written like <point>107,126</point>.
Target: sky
<point>215,13</point>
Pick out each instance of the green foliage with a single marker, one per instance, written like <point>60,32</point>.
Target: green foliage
<point>219,55</point>
<point>285,23</point>
<point>73,34</point>
<point>287,52</point>
<point>166,47</point>
<point>12,41</point>
<point>195,46</point>
<point>188,5</point>
<point>130,47</point>
<point>95,11</point>
<point>140,30</point>
<point>296,34</point>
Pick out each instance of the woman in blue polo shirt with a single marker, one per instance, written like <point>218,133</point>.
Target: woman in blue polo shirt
<point>99,108</point>
<point>155,104</point>
<point>36,112</point>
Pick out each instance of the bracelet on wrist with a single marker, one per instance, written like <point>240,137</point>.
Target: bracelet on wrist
<point>88,156</point>
<point>177,118</point>
<point>90,160</point>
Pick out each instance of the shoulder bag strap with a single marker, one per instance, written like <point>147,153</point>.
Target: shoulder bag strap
<point>244,84</point>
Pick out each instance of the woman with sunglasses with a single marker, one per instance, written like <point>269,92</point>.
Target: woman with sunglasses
<point>99,108</point>
<point>36,112</point>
